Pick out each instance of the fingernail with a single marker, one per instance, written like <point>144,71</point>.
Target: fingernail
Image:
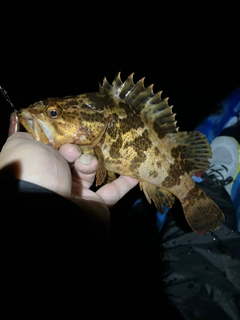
<point>77,147</point>
<point>86,158</point>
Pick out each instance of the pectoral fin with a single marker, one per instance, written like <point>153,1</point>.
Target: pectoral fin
<point>159,196</point>
<point>111,176</point>
<point>102,175</point>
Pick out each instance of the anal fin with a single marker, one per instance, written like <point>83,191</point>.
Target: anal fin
<point>111,176</point>
<point>159,196</point>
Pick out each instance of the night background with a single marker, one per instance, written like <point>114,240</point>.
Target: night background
<point>189,50</point>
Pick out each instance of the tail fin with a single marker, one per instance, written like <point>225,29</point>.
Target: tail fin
<point>201,212</point>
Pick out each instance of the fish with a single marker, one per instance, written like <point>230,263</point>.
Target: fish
<point>132,131</point>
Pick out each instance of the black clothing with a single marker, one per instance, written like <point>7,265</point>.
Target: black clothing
<point>54,264</point>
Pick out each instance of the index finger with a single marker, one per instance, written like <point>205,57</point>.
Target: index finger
<point>70,152</point>
<point>112,192</point>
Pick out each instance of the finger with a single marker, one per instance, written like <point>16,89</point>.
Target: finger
<point>86,164</point>
<point>112,192</point>
<point>83,175</point>
<point>70,152</point>
<point>81,181</point>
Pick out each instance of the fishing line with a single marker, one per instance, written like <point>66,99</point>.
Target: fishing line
<point>4,92</point>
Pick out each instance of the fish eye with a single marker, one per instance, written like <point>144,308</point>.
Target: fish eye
<point>53,112</point>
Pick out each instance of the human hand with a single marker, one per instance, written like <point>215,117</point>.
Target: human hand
<point>95,204</point>
<point>64,172</point>
<point>83,169</point>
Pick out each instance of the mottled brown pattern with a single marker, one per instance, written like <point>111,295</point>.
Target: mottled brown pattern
<point>160,132</point>
<point>176,153</point>
<point>153,173</point>
<point>173,177</point>
<point>157,152</point>
<point>68,116</point>
<point>112,129</point>
<point>131,112</point>
<point>136,162</point>
<point>158,163</point>
<point>97,101</point>
<point>132,132</point>
<point>192,194</point>
<point>140,144</point>
<point>175,170</point>
<point>134,121</point>
<point>115,148</point>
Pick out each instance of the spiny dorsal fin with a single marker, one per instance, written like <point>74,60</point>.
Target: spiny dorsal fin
<point>118,89</point>
<point>150,105</point>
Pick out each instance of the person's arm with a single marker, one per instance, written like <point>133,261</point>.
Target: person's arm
<point>66,172</point>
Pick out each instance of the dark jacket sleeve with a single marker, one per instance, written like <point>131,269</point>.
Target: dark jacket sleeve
<point>51,256</point>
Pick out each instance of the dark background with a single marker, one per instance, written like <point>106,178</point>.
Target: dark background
<point>190,50</point>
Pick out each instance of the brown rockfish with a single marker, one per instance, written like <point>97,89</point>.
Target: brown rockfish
<point>132,132</point>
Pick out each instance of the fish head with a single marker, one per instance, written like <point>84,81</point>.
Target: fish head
<point>57,121</point>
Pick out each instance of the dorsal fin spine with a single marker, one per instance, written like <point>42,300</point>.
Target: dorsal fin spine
<point>143,99</point>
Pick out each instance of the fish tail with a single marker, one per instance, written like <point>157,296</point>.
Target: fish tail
<point>201,212</point>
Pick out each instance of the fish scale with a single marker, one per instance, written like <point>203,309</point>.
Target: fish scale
<point>131,131</point>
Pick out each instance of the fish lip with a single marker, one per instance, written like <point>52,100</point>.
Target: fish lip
<point>45,130</point>
<point>34,126</point>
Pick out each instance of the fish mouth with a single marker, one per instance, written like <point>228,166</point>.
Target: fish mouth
<point>34,126</point>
